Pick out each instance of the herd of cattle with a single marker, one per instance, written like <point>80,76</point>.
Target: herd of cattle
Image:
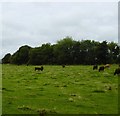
<point>101,68</point>
<point>95,67</point>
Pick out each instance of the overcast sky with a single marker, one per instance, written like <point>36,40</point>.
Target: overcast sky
<point>35,23</point>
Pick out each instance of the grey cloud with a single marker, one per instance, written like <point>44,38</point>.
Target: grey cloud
<point>37,23</point>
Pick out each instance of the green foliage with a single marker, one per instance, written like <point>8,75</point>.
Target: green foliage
<point>21,56</point>
<point>102,53</point>
<point>67,51</point>
<point>6,58</point>
<point>64,51</point>
<point>34,56</point>
<point>56,90</point>
<point>41,55</point>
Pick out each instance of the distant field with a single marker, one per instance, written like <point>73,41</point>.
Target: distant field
<point>57,90</point>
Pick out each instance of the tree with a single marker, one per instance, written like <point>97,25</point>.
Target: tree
<point>34,56</point>
<point>6,58</point>
<point>76,52</point>
<point>67,51</point>
<point>113,52</point>
<point>47,53</point>
<point>21,56</point>
<point>63,51</point>
<point>41,55</point>
<point>102,53</point>
<point>118,54</point>
<point>87,48</point>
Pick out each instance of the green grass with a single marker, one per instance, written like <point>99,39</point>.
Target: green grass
<point>0,89</point>
<point>69,90</point>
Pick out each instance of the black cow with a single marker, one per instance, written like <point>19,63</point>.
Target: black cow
<point>95,67</point>
<point>63,66</point>
<point>117,71</point>
<point>39,68</point>
<point>101,68</point>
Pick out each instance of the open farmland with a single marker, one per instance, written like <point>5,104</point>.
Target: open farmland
<point>69,90</point>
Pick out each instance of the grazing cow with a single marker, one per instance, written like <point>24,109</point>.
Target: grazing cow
<point>63,66</point>
<point>117,71</point>
<point>95,67</point>
<point>101,68</point>
<point>39,68</point>
<point>107,66</point>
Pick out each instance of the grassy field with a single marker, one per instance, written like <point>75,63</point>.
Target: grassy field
<point>57,90</point>
<point>0,89</point>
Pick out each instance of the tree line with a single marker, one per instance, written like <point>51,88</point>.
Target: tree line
<point>66,51</point>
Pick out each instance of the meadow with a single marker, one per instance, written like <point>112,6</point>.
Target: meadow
<point>75,89</point>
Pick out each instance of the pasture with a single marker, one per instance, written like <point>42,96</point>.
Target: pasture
<point>56,90</point>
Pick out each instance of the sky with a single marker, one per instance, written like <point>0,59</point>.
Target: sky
<point>35,23</point>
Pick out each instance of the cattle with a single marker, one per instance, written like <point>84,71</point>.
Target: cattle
<point>101,68</point>
<point>63,66</point>
<point>107,66</point>
<point>117,71</point>
<point>95,67</point>
<point>39,68</point>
